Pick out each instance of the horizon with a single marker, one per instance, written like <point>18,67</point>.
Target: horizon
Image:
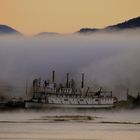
<point>34,16</point>
<point>65,33</point>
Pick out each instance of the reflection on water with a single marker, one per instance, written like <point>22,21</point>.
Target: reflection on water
<point>77,126</point>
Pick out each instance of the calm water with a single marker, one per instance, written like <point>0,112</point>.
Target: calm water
<point>122,125</point>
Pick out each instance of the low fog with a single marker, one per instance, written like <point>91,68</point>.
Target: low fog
<point>108,60</point>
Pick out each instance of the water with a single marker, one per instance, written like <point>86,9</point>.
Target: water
<point>60,125</point>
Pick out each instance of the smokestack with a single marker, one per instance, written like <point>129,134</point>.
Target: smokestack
<point>53,76</point>
<point>67,84</point>
<point>26,88</point>
<point>82,82</point>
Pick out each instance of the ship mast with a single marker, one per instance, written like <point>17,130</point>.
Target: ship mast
<point>26,89</point>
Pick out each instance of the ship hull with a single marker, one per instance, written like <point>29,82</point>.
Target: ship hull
<point>76,106</point>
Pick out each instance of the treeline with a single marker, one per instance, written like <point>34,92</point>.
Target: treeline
<point>133,101</point>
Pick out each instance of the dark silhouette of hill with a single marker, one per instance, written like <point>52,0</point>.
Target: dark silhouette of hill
<point>130,24</point>
<point>6,30</point>
<point>89,30</point>
<point>47,34</point>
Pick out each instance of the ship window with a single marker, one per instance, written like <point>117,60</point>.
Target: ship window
<point>65,99</point>
<point>81,99</point>
<point>96,100</point>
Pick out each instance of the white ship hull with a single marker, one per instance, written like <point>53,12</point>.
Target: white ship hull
<point>76,106</point>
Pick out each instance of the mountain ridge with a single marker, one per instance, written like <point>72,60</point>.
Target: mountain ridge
<point>129,24</point>
<point>7,30</point>
<point>41,34</point>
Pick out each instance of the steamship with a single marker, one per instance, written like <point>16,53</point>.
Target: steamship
<point>47,94</point>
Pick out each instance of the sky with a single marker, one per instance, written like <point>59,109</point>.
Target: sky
<point>65,16</point>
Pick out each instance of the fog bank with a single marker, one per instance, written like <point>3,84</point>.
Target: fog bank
<point>108,60</point>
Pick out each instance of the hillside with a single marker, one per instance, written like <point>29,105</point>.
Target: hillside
<point>130,24</point>
<point>4,30</point>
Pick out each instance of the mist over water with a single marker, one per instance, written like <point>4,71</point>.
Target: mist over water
<point>28,125</point>
<point>108,60</point>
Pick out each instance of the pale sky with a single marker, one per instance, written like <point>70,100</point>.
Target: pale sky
<point>65,16</point>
